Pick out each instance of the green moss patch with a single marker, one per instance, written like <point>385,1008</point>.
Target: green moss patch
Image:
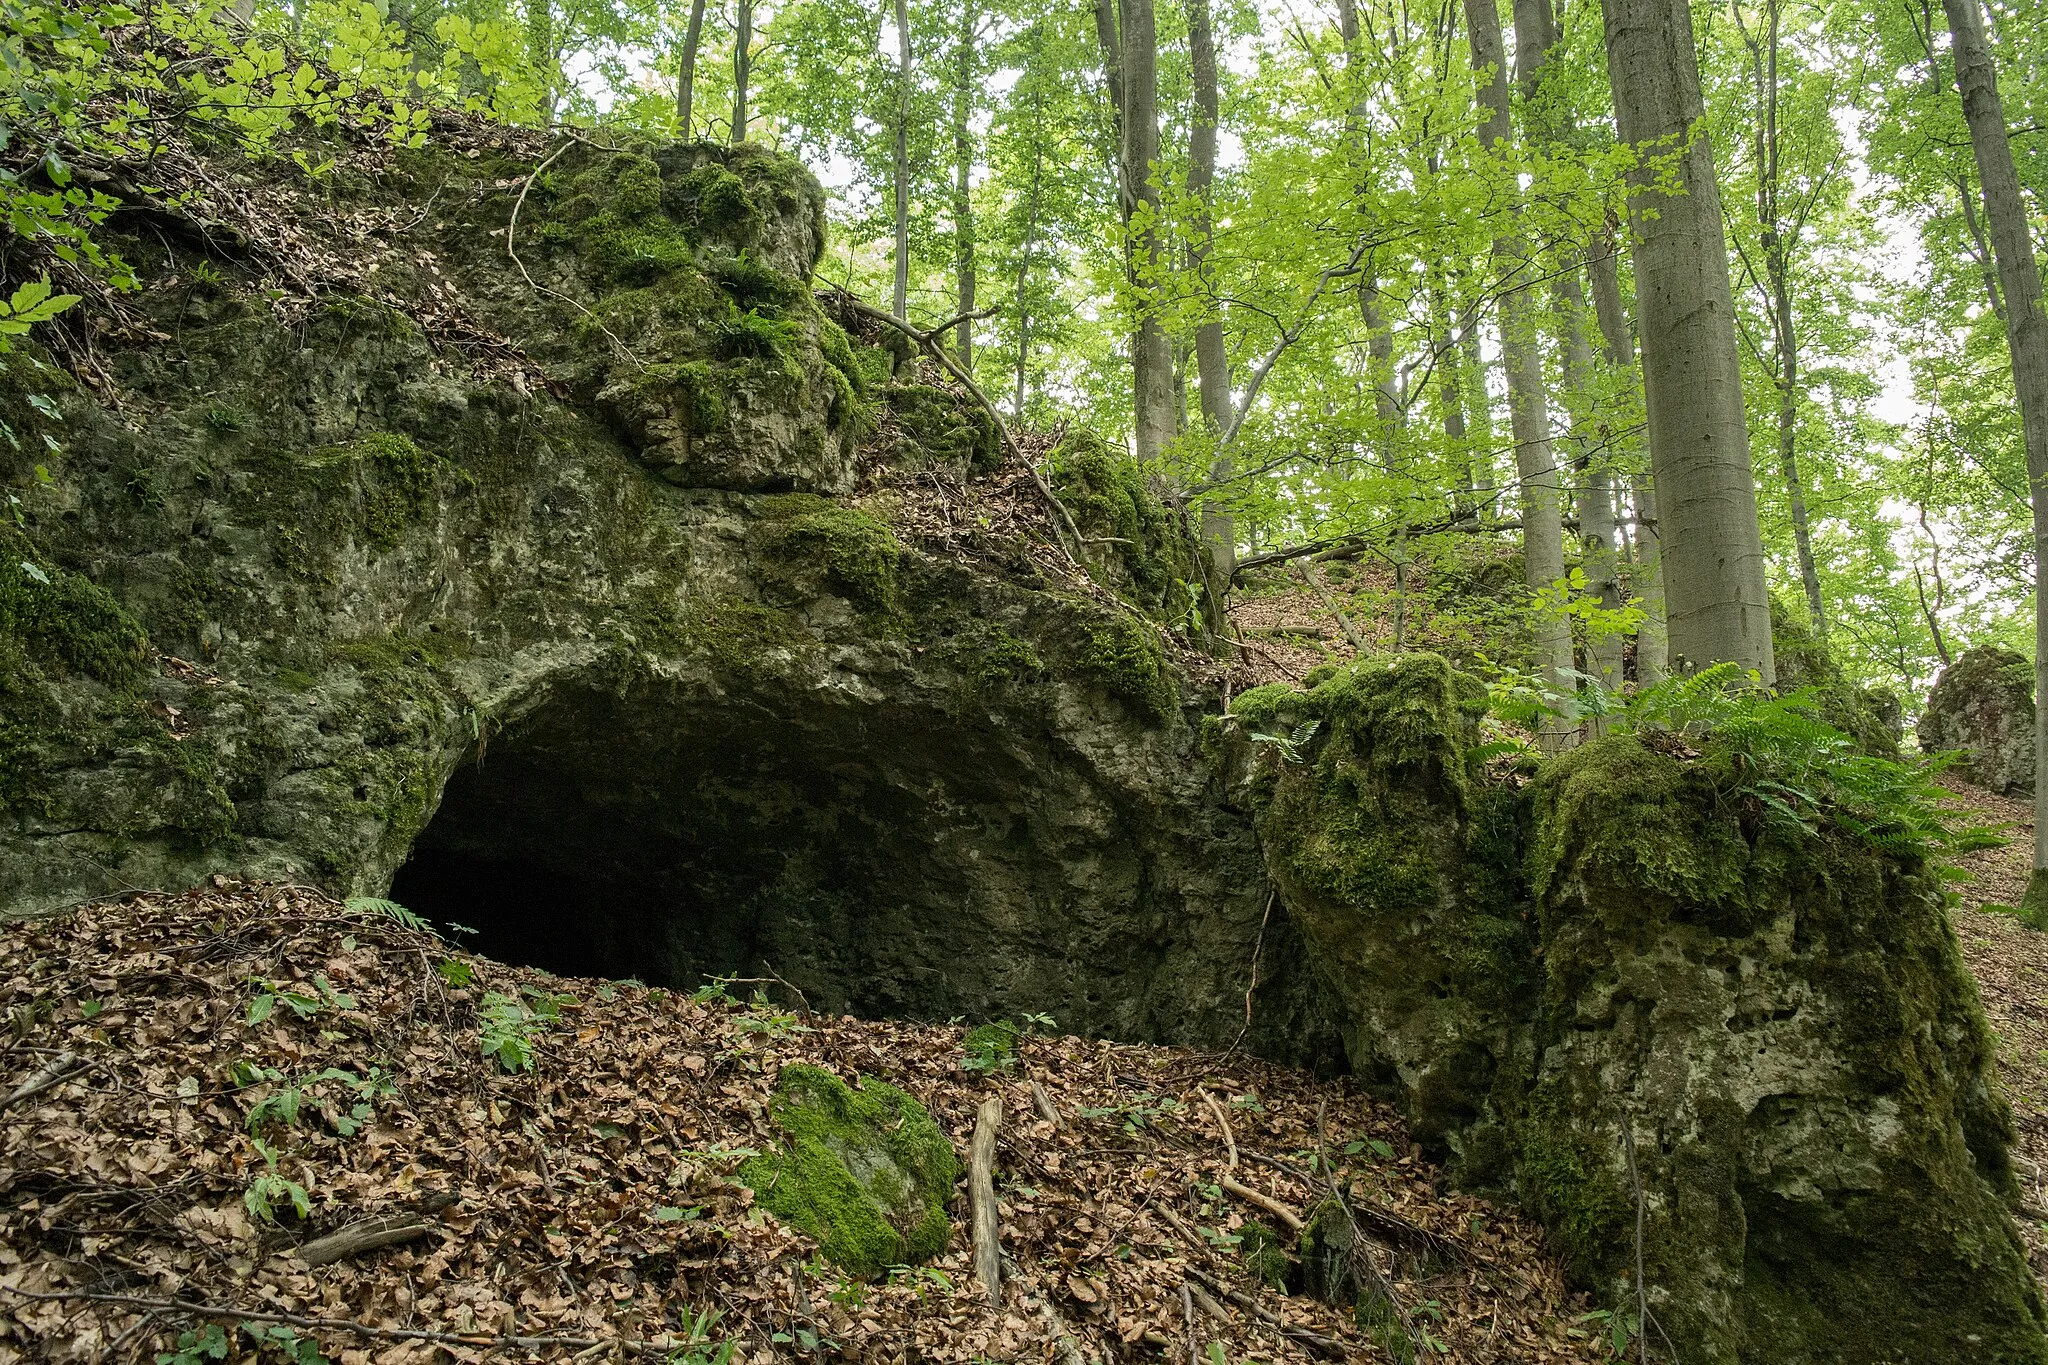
<point>865,1171</point>
<point>810,541</point>
<point>1125,656</point>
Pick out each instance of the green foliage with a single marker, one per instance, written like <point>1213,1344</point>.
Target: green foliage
<point>1126,657</point>
<point>269,1191</point>
<point>196,1346</point>
<point>991,1047</point>
<point>376,907</point>
<point>510,1025</point>
<point>1803,772</point>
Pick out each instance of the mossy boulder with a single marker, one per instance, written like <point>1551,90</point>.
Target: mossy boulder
<point>1131,535</point>
<point>1613,984</point>
<point>1983,705</point>
<point>865,1171</point>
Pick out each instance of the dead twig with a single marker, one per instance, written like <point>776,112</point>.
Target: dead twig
<point>1223,1122</point>
<point>363,1329</point>
<point>1264,1201</point>
<point>1314,1341</point>
<point>368,1234</point>
<point>1041,1100</point>
<point>45,1077</point>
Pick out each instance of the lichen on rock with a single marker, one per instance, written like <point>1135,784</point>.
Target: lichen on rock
<point>865,1171</point>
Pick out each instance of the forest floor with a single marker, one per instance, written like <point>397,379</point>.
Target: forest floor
<point>242,1044</point>
<point>2010,962</point>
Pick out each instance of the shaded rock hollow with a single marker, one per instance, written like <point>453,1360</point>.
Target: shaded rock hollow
<point>591,645</point>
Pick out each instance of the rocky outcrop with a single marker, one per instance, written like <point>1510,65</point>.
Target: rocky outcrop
<point>316,593</point>
<point>1613,989</point>
<point>1983,706</point>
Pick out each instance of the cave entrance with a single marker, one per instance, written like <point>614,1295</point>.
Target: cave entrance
<point>889,858</point>
<point>671,837</point>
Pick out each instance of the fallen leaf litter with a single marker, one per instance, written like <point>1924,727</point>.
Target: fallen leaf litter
<point>583,1210</point>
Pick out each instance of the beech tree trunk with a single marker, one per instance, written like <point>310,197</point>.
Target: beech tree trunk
<point>1212,361</point>
<point>2026,332</point>
<point>742,68</point>
<point>1716,604</point>
<point>1542,523</point>
<point>686,69</point>
<point>1550,126</point>
<point>1651,649</point>
<point>900,164</point>
<point>963,166</point>
<point>1151,357</point>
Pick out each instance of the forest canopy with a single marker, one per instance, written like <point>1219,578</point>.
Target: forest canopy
<point>1352,280</point>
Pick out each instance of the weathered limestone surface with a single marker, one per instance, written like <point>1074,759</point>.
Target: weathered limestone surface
<point>322,601</point>
<point>1983,704</point>
<point>1614,979</point>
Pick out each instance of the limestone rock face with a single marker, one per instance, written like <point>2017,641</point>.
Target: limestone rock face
<point>1608,981</point>
<point>315,597</point>
<point>1983,704</point>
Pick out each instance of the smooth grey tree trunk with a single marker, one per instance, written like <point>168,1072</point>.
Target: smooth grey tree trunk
<point>686,69</point>
<point>1716,603</point>
<point>1549,124</point>
<point>963,167</point>
<point>1151,356</point>
<point>1522,357</point>
<point>899,165</point>
<point>742,68</point>
<point>2026,332</point>
<point>1651,650</point>
<point>1212,361</point>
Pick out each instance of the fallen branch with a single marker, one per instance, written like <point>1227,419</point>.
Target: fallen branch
<point>1223,1122</point>
<point>368,1234</point>
<point>1315,583</point>
<point>1315,1341</point>
<point>363,1329</point>
<point>1041,1100</point>
<point>981,1198</point>
<point>1264,1201</point>
<point>45,1077</point>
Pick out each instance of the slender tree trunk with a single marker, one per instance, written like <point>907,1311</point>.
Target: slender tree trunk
<point>1024,271</point>
<point>1151,356</point>
<point>1777,253</point>
<point>1718,608</point>
<point>900,163</point>
<point>963,166</point>
<point>1478,390</point>
<point>1549,122</point>
<point>742,67</point>
<point>1542,523</point>
<point>1651,650</point>
<point>1450,398</point>
<point>1212,361</point>
<point>2026,332</point>
<point>686,69</point>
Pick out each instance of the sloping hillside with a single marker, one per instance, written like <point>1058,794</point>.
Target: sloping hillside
<point>190,1060</point>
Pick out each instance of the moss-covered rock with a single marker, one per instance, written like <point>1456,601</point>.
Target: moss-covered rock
<point>1983,705</point>
<point>1130,534</point>
<point>1611,981</point>
<point>865,1171</point>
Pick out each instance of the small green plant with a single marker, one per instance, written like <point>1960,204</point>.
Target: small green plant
<point>1290,745</point>
<point>282,1106</point>
<point>196,1346</point>
<point>269,1189</point>
<point>455,972</point>
<point>1615,1331</point>
<point>286,1342</point>
<point>991,1047</point>
<point>372,907</point>
<point>511,1025</point>
<point>269,995</point>
<point>697,1346</point>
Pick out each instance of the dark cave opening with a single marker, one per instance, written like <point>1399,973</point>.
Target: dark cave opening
<point>887,859</point>
<point>661,839</point>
